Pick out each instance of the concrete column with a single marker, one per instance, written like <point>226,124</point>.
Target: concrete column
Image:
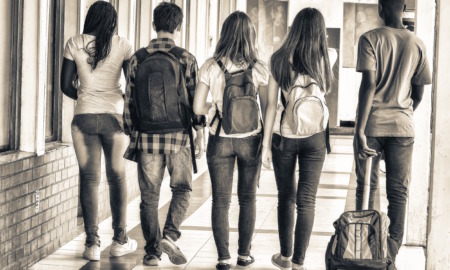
<point>416,224</point>
<point>438,248</point>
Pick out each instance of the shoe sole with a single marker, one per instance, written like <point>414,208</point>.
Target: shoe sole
<point>243,267</point>
<point>150,264</point>
<point>175,255</point>
<point>91,258</point>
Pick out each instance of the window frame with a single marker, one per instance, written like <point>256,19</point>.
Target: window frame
<point>15,75</point>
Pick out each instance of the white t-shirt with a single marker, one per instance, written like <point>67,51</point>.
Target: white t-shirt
<point>285,128</point>
<point>100,90</point>
<point>212,75</point>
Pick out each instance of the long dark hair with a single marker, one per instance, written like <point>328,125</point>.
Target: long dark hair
<point>306,44</point>
<point>237,40</point>
<point>101,19</point>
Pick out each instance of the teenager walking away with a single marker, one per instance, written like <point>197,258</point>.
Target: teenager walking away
<point>97,57</point>
<point>394,71</point>
<point>234,77</point>
<point>160,89</point>
<point>297,130</point>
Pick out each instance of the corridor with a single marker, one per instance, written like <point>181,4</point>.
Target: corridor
<point>336,194</point>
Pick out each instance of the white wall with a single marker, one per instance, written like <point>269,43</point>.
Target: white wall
<point>416,225</point>
<point>438,248</point>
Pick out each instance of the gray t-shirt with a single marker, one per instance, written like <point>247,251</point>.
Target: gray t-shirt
<point>399,59</point>
<point>100,89</point>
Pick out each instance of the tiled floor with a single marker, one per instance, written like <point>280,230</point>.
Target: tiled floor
<point>197,241</point>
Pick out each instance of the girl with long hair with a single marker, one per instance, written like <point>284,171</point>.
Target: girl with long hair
<point>96,59</point>
<point>297,130</point>
<point>235,55</point>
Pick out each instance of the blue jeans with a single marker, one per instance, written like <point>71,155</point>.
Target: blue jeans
<point>311,156</point>
<point>92,133</point>
<point>221,155</point>
<point>398,157</point>
<point>150,174</point>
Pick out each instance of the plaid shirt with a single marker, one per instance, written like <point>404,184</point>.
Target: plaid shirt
<point>156,143</point>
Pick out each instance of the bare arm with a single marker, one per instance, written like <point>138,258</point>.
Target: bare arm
<point>365,101</point>
<point>200,106</point>
<point>263,95</point>
<point>416,95</point>
<point>68,72</point>
<point>269,119</point>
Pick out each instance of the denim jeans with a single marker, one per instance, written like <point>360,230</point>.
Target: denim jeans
<point>311,156</point>
<point>221,154</point>
<point>92,133</point>
<point>398,157</point>
<point>150,174</point>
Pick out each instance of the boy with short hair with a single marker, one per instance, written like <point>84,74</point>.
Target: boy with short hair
<point>153,152</point>
<point>394,71</point>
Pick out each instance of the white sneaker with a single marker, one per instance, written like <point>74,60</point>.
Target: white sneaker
<point>92,253</point>
<point>118,249</point>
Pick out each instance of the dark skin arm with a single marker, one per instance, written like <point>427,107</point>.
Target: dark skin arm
<point>125,71</point>
<point>365,101</point>
<point>68,73</point>
<point>416,95</point>
<point>125,67</point>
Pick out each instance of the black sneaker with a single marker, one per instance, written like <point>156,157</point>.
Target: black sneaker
<point>223,266</point>
<point>241,263</point>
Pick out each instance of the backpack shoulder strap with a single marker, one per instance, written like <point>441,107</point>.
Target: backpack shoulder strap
<point>222,67</point>
<point>177,52</point>
<point>141,54</point>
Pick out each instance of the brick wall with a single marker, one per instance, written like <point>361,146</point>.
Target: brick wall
<point>39,204</point>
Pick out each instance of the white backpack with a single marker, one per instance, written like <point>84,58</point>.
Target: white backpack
<point>306,111</point>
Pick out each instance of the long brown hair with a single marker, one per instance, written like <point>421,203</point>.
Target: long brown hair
<point>237,40</point>
<point>306,43</point>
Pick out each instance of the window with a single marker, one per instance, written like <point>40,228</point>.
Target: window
<point>10,48</point>
<point>5,70</point>
<point>55,47</point>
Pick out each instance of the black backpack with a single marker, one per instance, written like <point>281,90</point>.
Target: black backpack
<point>160,96</point>
<point>240,110</point>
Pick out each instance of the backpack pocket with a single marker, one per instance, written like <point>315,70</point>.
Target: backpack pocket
<point>357,241</point>
<point>308,116</point>
<point>242,115</point>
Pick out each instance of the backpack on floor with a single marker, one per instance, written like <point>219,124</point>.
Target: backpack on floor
<point>160,95</point>
<point>240,109</point>
<point>361,239</point>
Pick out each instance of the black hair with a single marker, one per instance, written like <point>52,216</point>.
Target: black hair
<point>101,19</point>
<point>393,5</point>
<point>237,40</point>
<point>306,44</point>
<point>167,17</point>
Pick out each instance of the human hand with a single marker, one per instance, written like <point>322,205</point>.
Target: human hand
<point>364,151</point>
<point>198,144</point>
<point>267,157</point>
